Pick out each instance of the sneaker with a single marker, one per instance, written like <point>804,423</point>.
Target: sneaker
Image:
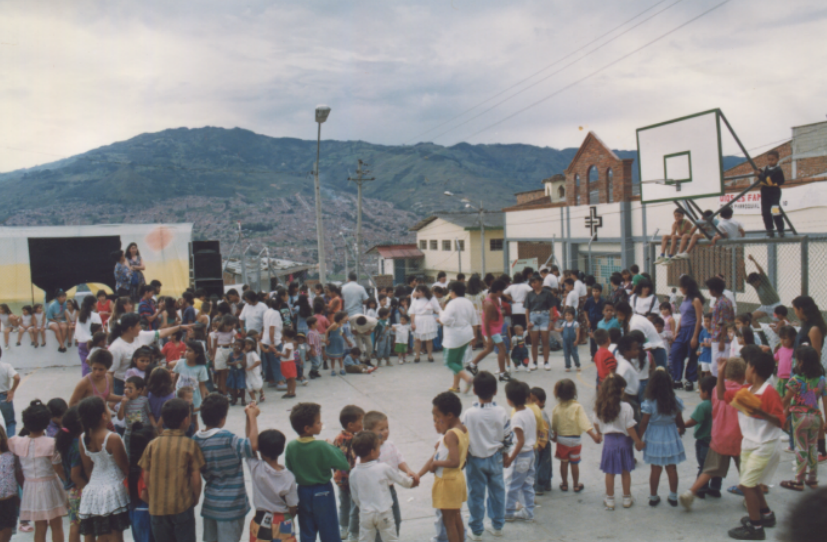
<point>654,502</point>
<point>686,499</point>
<point>628,501</point>
<point>609,503</point>
<point>532,366</point>
<point>519,515</point>
<point>661,259</point>
<point>689,386</point>
<point>678,385</point>
<point>343,372</point>
<point>669,261</point>
<point>304,381</point>
<point>453,390</point>
<point>747,532</point>
<point>343,534</point>
<point>281,386</point>
<point>475,536</point>
<point>516,369</point>
<point>547,366</point>
<point>333,372</point>
<point>505,377</point>
<point>494,532</point>
<point>681,256</point>
<point>767,520</point>
<point>471,368</point>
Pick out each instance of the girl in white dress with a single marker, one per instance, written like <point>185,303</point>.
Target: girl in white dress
<point>104,504</point>
<point>423,312</point>
<point>255,383</point>
<point>44,500</point>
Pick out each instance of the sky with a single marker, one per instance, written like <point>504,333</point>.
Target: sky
<point>82,74</point>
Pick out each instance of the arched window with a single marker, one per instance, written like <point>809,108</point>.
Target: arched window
<point>577,189</point>
<point>610,188</point>
<point>561,192</point>
<point>594,191</point>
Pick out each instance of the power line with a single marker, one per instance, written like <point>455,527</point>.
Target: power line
<point>518,83</point>
<point>599,70</point>
<point>549,76</point>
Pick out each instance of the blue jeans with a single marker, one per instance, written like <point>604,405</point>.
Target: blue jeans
<point>271,368</point>
<point>174,528</point>
<point>641,391</point>
<point>317,513</point>
<point>542,458</point>
<point>141,523</point>
<point>681,350</point>
<point>483,473</point>
<point>521,485</point>
<point>660,356</point>
<point>570,350</point>
<point>348,513</point>
<point>7,410</point>
<point>118,386</point>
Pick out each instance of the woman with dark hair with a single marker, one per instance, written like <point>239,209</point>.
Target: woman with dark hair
<point>475,293</point>
<point>687,333</point>
<point>813,327</point>
<point>123,274</point>
<point>303,312</point>
<point>335,303</point>
<point>83,330</point>
<point>629,321</point>
<point>423,312</point>
<point>126,336</point>
<point>136,264</point>
<point>516,294</point>
<point>123,305</point>
<point>644,302</point>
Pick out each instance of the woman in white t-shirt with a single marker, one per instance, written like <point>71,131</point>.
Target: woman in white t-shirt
<point>127,336</point>
<point>516,294</point>
<point>644,302</point>
<point>83,330</point>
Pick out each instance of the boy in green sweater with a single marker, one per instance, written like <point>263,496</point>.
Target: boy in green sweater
<point>312,463</point>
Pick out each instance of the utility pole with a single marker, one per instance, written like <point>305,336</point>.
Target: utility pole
<point>359,180</point>
<point>482,236</point>
<point>459,257</point>
<point>344,245</point>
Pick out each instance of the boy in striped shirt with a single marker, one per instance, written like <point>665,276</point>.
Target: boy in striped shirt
<point>225,497</point>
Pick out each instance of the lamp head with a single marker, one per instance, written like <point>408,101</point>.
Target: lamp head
<point>322,111</point>
<point>447,193</point>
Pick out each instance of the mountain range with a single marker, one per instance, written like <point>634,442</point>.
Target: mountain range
<point>238,163</point>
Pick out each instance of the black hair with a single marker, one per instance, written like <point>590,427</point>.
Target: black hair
<point>304,415</point>
<point>305,310</point>
<point>656,320</point>
<point>570,310</point>
<point>141,352</point>
<point>214,408</point>
<point>596,286</point>
<point>810,361</point>
<point>752,277</point>
<point>624,345</point>
<point>781,310</point>
<point>460,276</point>
<point>57,407</point>
<point>806,521</point>
<point>137,381</point>
<point>350,414</point>
<point>364,442</point>
<point>748,335</point>
<point>787,332</point>
<point>159,383</point>
<point>271,444</point>
<point>424,290</point>
<point>811,312</point>
<point>72,429</point>
<point>615,334</point>
<point>539,394</point>
<point>448,403</point>
<point>726,212</point>
<point>101,357</point>
<point>679,210</point>
<point>126,321</point>
<point>485,385</point>
<point>91,410</point>
<point>86,308</point>
<point>457,287</point>
<point>749,351</point>
<point>384,312</point>
<point>146,288</point>
<point>634,269</point>
<point>140,437</point>
<point>763,364</point>
<point>601,336</point>
<point>716,285</point>
<point>517,392</point>
<point>200,357</point>
<point>564,390</point>
<point>661,391</point>
<point>708,383</point>
<point>475,285</point>
<point>174,412</point>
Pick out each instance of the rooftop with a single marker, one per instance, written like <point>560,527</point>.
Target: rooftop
<point>391,252</point>
<point>468,221</point>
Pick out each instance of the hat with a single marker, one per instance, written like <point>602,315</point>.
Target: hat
<point>301,336</point>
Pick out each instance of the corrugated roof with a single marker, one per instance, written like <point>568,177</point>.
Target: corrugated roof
<point>276,266</point>
<point>391,252</point>
<point>469,221</point>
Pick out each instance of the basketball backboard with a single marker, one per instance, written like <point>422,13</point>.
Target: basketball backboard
<point>681,158</point>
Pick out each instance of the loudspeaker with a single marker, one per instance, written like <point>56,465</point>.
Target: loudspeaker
<point>199,247</point>
<point>213,287</point>
<point>206,265</point>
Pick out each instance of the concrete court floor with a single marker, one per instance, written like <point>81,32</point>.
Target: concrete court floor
<point>405,392</point>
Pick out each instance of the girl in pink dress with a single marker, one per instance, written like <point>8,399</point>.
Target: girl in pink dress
<point>44,500</point>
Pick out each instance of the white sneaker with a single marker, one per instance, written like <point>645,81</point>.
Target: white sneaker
<point>493,531</point>
<point>661,259</point>
<point>547,366</point>
<point>343,534</point>
<point>681,256</point>
<point>532,366</point>
<point>609,502</point>
<point>519,515</point>
<point>686,499</point>
<point>473,536</point>
<point>628,501</point>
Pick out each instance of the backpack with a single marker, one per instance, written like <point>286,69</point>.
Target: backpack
<point>633,303</point>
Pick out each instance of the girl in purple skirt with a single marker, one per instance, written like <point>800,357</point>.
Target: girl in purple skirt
<point>615,419</point>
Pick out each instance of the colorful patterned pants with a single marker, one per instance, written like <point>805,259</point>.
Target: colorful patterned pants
<point>805,433</point>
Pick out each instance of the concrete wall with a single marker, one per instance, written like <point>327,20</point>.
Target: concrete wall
<point>442,260</point>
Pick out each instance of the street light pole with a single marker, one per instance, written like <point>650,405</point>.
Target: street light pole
<point>322,112</point>
<point>358,180</point>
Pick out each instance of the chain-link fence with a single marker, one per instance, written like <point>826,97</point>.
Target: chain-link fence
<point>794,266</point>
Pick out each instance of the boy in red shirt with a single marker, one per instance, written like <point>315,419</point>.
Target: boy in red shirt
<point>760,445</point>
<point>175,348</point>
<point>603,358</point>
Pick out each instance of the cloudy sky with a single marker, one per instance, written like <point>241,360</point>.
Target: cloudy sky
<point>81,74</point>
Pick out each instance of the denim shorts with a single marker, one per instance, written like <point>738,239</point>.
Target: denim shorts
<point>497,338</point>
<point>540,319</point>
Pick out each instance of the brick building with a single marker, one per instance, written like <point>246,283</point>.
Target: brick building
<point>598,175</point>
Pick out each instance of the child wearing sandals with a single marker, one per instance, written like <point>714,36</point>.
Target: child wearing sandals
<point>617,420</point>
<point>662,426</point>
<point>568,422</point>
<point>804,390</point>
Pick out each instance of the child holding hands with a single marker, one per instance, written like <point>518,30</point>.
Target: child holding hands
<point>568,422</point>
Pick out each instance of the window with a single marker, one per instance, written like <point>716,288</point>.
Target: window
<point>434,245</point>
<point>577,189</point>
<point>446,246</point>
<point>460,246</point>
<point>495,244</point>
<point>561,192</point>
<point>610,189</point>
<point>423,245</point>
<point>594,191</point>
